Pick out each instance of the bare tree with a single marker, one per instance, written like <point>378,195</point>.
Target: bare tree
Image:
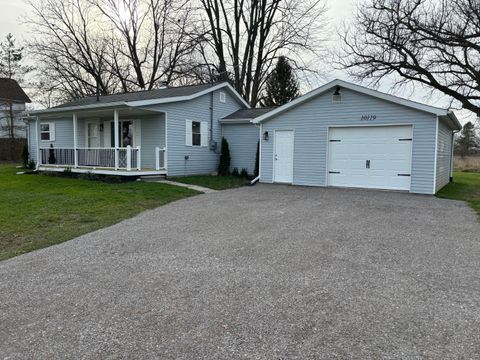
<point>84,46</point>
<point>435,43</point>
<point>247,36</point>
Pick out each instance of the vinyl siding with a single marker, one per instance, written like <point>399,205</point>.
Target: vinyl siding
<point>63,133</point>
<point>152,135</point>
<point>444,153</point>
<point>312,119</point>
<point>32,141</point>
<point>242,141</point>
<point>201,160</point>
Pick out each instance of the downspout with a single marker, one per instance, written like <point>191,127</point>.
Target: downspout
<point>211,145</point>
<point>451,154</point>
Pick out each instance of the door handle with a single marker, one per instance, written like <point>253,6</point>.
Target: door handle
<point>367,164</point>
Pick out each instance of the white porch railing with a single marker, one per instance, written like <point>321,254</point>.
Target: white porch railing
<point>160,158</point>
<point>127,158</point>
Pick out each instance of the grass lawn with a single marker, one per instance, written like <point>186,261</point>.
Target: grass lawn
<point>213,182</point>
<point>37,211</point>
<point>465,186</point>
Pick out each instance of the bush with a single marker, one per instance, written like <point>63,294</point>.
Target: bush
<point>68,172</point>
<point>90,176</point>
<point>25,156</point>
<point>256,172</point>
<point>51,155</point>
<point>235,172</point>
<point>31,165</point>
<point>244,173</point>
<point>224,166</point>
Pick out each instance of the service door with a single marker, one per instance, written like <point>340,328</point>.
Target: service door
<point>377,157</point>
<point>283,156</point>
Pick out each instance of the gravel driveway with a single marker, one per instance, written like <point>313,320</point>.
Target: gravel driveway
<point>264,272</point>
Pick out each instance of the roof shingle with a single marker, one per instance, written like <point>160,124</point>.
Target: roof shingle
<point>248,113</point>
<point>10,90</point>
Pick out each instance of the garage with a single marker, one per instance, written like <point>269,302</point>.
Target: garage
<point>346,135</point>
<point>376,157</point>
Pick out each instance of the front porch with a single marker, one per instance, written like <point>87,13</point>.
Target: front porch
<point>131,143</point>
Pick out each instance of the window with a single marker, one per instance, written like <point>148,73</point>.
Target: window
<point>196,133</point>
<point>125,133</point>
<point>223,97</point>
<point>47,131</point>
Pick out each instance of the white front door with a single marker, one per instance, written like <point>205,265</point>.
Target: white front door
<point>377,157</point>
<point>283,156</point>
<point>93,135</point>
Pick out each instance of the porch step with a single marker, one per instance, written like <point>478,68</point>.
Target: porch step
<point>153,178</point>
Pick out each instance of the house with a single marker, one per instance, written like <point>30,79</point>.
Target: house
<point>346,135</point>
<point>12,105</point>
<point>340,134</point>
<point>172,131</point>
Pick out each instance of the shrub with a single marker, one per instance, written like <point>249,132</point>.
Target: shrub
<point>256,172</point>
<point>235,172</point>
<point>89,176</point>
<point>31,165</point>
<point>244,173</point>
<point>51,155</point>
<point>68,172</point>
<point>224,166</point>
<point>25,156</point>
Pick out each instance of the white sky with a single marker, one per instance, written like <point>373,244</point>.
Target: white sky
<point>11,11</point>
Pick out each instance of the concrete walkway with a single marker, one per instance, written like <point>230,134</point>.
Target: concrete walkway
<point>189,186</point>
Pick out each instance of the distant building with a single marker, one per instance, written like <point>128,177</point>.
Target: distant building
<point>12,103</point>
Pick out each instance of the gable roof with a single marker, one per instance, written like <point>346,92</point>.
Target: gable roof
<point>10,90</point>
<point>246,114</point>
<point>144,98</point>
<point>361,89</point>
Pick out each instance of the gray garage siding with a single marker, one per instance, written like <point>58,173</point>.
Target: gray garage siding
<point>311,120</point>
<point>444,154</point>
<point>201,160</point>
<point>242,141</point>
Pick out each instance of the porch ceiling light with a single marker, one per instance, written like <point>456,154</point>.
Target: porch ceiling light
<point>265,136</point>
<point>337,96</point>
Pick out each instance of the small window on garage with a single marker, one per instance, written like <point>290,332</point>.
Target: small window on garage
<point>223,97</point>
<point>47,131</point>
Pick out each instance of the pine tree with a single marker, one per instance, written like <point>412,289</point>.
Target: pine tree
<point>224,166</point>
<point>468,140</point>
<point>282,84</point>
<point>10,59</point>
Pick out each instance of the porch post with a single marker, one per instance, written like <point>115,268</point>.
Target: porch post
<point>116,133</point>
<point>75,145</point>
<point>129,158</point>
<point>37,136</point>
<point>139,158</point>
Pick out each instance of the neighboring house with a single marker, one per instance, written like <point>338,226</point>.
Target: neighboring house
<point>172,131</point>
<point>346,135</point>
<point>12,105</point>
<point>340,134</point>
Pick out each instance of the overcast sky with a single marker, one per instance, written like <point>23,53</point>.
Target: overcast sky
<point>339,11</point>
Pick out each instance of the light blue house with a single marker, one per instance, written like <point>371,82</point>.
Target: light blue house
<point>173,131</point>
<point>340,134</point>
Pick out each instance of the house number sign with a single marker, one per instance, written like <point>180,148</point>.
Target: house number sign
<point>369,117</point>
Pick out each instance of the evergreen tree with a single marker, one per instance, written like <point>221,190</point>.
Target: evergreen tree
<point>282,84</point>
<point>468,141</point>
<point>224,166</point>
<point>10,59</point>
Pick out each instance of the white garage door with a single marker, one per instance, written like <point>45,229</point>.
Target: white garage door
<point>377,157</point>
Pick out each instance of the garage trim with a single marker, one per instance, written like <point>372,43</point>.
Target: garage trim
<point>347,126</point>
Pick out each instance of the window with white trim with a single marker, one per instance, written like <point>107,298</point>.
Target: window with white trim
<point>223,97</point>
<point>196,133</point>
<point>47,131</point>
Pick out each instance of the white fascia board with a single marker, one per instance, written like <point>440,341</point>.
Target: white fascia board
<point>235,121</point>
<point>76,108</point>
<point>361,89</point>
<point>189,97</point>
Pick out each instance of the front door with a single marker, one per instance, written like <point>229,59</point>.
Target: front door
<point>283,156</point>
<point>93,135</point>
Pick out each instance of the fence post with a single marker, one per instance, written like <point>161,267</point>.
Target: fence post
<point>129,158</point>
<point>139,158</point>
<point>157,158</point>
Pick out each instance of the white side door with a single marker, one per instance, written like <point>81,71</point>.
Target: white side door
<point>377,157</point>
<point>283,156</point>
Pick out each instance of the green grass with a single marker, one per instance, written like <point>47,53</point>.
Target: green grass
<point>213,182</point>
<point>37,211</point>
<point>465,186</point>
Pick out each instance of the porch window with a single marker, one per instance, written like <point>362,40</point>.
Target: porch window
<point>47,131</point>
<point>125,133</point>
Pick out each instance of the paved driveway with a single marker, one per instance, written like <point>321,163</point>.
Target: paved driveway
<point>268,272</point>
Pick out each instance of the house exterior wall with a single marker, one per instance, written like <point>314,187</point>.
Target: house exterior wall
<point>311,121</point>
<point>152,135</point>
<point>32,141</point>
<point>201,160</point>
<point>20,128</point>
<point>242,141</point>
<point>444,155</point>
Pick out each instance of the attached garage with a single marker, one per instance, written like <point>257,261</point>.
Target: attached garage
<point>345,135</point>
